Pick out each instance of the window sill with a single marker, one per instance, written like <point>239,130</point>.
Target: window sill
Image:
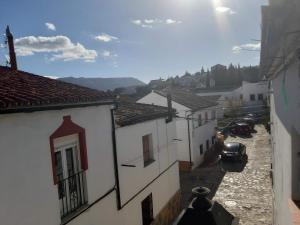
<point>294,211</point>
<point>148,162</point>
<point>74,214</point>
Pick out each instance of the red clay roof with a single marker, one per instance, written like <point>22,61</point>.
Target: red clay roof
<point>20,90</point>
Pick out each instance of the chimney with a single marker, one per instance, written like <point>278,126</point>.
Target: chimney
<point>12,54</point>
<point>170,111</point>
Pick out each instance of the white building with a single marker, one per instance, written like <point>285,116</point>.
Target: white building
<point>62,161</point>
<point>251,97</point>
<point>280,63</point>
<point>195,124</point>
<point>147,163</point>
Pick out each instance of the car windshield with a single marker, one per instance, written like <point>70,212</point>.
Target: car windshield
<point>231,148</point>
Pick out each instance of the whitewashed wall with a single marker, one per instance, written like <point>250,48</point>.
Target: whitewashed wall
<point>198,135</point>
<point>27,193</point>
<point>202,133</point>
<point>130,152</point>
<point>285,127</point>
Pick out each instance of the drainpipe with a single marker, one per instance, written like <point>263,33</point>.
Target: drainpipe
<point>189,138</point>
<point>115,156</point>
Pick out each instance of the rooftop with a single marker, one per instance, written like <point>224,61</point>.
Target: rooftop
<point>188,99</point>
<point>22,91</point>
<point>129,113</point>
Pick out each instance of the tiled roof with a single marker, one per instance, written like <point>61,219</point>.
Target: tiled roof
<point>188,99</point>
<point>22,91</point>
<point>212,98</point>
<point>129,113</point>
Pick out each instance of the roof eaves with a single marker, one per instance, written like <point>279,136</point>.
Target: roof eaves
<point>29,109</point>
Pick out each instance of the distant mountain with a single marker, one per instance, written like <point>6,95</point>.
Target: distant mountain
<point>104,84</point>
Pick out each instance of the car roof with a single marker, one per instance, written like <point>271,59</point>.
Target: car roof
<point>232,144</point>
<point>242,124</point>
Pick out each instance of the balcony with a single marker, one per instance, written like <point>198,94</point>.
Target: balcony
<point>72,194</point>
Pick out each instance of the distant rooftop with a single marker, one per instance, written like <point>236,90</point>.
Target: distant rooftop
<point>129,113</point>
<point>188,99</point>
<point>22,91</point>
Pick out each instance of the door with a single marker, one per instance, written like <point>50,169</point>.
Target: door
<point>147,210</point>
<point>70,181</point>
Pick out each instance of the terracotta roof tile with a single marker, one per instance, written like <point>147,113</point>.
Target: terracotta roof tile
<point>188,99</point>
<point>20,90</point>
<point>129,113</point>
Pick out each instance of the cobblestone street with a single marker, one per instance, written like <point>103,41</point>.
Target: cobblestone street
<point>244,189</point>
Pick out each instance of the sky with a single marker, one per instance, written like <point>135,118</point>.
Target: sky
<point>146,39</point>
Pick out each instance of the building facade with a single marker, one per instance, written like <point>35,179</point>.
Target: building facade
<point>280,63</point>
<point>195,124</point>
<point>67,161</point>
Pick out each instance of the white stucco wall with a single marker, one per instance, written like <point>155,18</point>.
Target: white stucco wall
<point>198,135</point>
<point>285,128</point>
<point>27,193</point>
<point>130,152</point>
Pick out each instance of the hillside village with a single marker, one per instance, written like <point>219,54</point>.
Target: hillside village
<point>217,147</point>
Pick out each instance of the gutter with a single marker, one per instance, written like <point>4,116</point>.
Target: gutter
<point>30,109</point>
<point>189,138</point>
<point>115,156</point>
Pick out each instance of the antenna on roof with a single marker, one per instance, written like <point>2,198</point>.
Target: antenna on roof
<point>11,48</point>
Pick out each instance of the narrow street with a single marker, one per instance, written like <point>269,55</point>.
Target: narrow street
<point>244,189</point>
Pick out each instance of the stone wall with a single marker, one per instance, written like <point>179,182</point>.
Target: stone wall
<point>171,210</point>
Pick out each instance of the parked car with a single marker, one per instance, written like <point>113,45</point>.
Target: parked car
<point>250,121</point>
<point>233,151</point>
<point>239,128</point>
<point>255,116</point>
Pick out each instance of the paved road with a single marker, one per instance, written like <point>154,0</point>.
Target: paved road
<point>244,189</point>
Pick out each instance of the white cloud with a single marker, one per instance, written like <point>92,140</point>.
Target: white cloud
<point>108,54</point>
<point>247,47</point>
<point>105,37</point>
<point>150,23</point>
<point>50,26</point>
<point>170,21</point>
<point>61,48</point>
<point>225,10</point>
<point>137,22</point>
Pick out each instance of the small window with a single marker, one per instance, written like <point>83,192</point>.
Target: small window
<point>206,117</point>
<point>252,97</point>
<point>241,97</point>
<point>213,138</point>
<point>147,210</point>
<point>207,144</point>
<point>147,150</point>
<point>199,120</point>
<point>213,114</point>
<point>201,149</point>
<point>260,97</point>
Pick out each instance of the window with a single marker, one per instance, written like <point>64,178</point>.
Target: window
<point>147,149</point>
<point>260,97</point>
<point>213,138</point>
<point>71,179</point>
<point>252,97</point>
<point>201,149</point>
<point>213,114</point>
<point>206,117</point>
<point>147,210</point>
<point>199,120</point>
<point>241,97</point>
<point>69,162</point>
<point>207,144</point>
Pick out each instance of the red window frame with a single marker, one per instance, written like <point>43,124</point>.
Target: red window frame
<point>68,127</point>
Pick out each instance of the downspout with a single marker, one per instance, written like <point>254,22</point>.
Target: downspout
<point>115,156</point>
<point>189,138</point>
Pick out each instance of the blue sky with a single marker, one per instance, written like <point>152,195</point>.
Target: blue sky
<point>146,39</point>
